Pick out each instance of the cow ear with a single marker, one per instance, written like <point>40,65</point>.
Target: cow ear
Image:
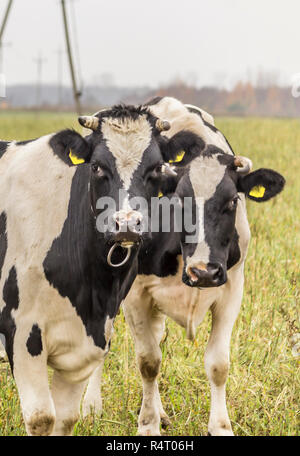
<point>261,185</point>
<point>183,147</point>
<point>71,147</point>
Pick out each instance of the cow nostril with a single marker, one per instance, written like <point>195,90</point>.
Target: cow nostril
<point>195,272</point>
<point>216,272</point>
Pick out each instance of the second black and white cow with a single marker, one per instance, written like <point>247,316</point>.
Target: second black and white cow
<point>59,296</point>
<point>183,280</point>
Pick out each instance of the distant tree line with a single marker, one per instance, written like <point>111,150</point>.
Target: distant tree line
<point>245,99</point>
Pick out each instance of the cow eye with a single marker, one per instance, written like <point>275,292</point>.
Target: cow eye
<point>97,169</point>
<point>232,204</point>
<point>155,172</point>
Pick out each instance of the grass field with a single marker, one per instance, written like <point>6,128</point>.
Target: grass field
<point>263,389</point>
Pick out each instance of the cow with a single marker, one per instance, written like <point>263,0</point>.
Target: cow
<point>62,278</point>
<point>184,279</point>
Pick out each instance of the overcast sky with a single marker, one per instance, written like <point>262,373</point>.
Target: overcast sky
<point>148,42</point>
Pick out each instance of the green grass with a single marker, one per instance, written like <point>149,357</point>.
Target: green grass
<point>263,387</point>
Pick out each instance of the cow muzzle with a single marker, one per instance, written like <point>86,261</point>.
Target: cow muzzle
<point>206,275</point>
<point>127,228</point>
<point>125,234</point>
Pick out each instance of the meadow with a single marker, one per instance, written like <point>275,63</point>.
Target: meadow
<point>263,388</point>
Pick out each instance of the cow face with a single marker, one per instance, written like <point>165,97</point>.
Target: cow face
<point>213,183</point>
<point>126,169</point>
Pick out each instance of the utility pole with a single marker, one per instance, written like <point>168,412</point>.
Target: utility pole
<point>2,76</point>
<point>39,61</point>
<point>5,19</point>
<point>2,46</point>
<point>76,92</point>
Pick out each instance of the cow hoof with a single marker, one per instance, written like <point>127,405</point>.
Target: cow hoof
<point>223,430</point>
<point>165,421</point>
<point>3,357</point>
<point>148,432</point>
<point>40,424</point>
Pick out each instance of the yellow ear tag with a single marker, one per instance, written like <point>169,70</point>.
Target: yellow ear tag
<point>178,158</point>
<point>160,195</point>
<point>258,191</point>
<point>75,160</point>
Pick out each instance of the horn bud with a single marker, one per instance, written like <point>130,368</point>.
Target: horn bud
<point>243,164</point>
<point>168,170</point>
<point>162,125</point>
<point>90,122</point>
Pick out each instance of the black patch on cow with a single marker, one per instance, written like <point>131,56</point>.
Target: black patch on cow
<point>158,260</point>
<point>159,254</point>
<point>3,240</point>
<point>34,342</point>
<point>199,113</point>
<point>234,251</point>
<point>207,124</point>
<point>153,101</point>
<point>3,147</point>
<point>122,112</point>
<point>66,141</point>
<point>192,144</point>
<point>26,141</point>
<point>76,265</point>
<point>219,224</point>
<point>7,322</point>
<point>272,181</point>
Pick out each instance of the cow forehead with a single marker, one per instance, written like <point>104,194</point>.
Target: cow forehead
<point>205,175</point>
<point>127,139</point>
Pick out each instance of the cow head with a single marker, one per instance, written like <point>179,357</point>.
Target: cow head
<point>213,183</point>
<point>123,154</point>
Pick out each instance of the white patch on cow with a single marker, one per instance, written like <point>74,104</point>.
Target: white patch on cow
<point>127,140</point>
<point>205,175</point>
<point>181,118</point>
<point>108,329</point>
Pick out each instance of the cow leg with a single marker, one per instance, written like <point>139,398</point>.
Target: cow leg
<point>147,325</point>
<point>216,358</point>
<point>3,356</point>
<point>31,376</point>
<point>66,397</point>
<point>92,402</point>
<point>164,419</point>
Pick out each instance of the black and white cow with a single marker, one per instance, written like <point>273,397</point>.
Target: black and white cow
<point>184,280</point>
<point>59,296</point>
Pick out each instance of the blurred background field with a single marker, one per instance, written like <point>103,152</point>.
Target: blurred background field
<point>263,390</point>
